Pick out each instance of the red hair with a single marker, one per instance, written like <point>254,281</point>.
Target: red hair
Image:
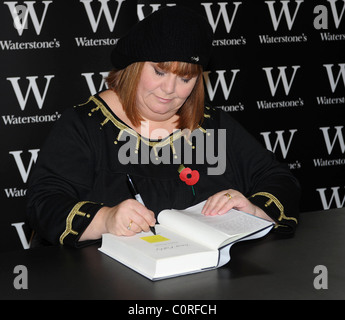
<point>124,83</point>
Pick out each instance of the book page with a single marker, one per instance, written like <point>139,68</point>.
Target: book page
<point>213,231</point>
<point>197,231</point>
<point>232,223</point>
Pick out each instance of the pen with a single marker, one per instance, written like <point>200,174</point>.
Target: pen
<point>138,198</point>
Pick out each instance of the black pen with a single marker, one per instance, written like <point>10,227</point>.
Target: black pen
<point>138,198</point>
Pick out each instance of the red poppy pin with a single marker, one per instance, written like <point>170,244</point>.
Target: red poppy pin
<point>189,176</point>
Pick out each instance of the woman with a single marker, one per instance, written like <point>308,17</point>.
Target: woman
<point>153,125</point>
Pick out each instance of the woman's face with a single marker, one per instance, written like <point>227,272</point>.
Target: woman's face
<point>160,94</point>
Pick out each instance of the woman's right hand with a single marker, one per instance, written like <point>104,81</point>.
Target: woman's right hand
<point>125,219</point>
<point>128,218</point>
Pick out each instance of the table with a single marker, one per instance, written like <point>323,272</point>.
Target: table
<point>268,268</point>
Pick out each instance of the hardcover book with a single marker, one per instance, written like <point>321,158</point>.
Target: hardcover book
<point>186,241</point>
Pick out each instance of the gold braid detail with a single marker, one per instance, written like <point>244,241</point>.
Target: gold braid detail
<point>124,128</point>
<point>75,211</point>
<point>273,199</point>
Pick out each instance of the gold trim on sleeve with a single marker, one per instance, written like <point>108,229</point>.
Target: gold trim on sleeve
<point>75,211</point>
<point>273,199</point>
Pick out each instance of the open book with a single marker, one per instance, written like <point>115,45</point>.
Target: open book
<point>186,242</point>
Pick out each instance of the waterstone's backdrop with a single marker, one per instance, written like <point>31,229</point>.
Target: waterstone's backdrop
<point>278,68</point>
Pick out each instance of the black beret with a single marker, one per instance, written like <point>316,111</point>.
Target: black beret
<point>169,34</point>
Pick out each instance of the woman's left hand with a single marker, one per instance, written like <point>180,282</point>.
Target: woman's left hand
<point>223,201</point>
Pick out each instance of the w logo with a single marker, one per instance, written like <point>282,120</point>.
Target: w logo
<point>284,10</point>
<point>336,17</point>
<point>333,81</point>
<point>31,87</point>
<point>222,12</point>
<point>91,84</point>
<point>104,9</point>
<point>154,7</point>
<point>282,77</point>
<point>335,196</point>
<point>24,172</point>
<point>337,137</point>
<point>21,13</point>
<point>221,80</point>
<point>280,141</point>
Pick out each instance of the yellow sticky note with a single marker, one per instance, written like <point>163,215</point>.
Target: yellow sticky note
<point>156,238</point>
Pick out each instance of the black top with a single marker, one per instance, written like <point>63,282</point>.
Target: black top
<point>84,162</point>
